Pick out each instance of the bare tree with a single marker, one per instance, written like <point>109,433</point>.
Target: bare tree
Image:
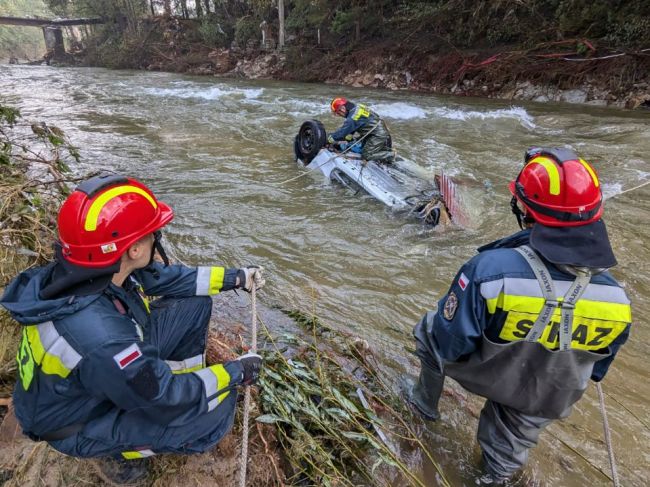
<point>185,12</point>
<point>281,24</point>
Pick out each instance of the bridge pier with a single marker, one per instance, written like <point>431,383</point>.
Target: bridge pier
<point>54,45</point>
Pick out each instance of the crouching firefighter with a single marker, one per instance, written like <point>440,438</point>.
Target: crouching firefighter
<point>531,318</point>
<point>104,373</point>
<point>373,135</point>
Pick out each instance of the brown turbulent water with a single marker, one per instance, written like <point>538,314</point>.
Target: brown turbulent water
<point>220,151</point>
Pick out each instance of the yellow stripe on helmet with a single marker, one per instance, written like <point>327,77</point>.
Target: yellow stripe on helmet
<point>95,209</point>
<point>553,173</point>
<point>591,172</point>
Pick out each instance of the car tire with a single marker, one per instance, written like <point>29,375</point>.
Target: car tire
<point>311,138</point>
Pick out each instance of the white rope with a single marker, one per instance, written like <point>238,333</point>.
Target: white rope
<point>247,395</point>
<point>331,158</point>
<point>608,437</point>
<point>631,189</point>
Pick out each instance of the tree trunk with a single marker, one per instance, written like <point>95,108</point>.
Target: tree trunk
<point>207,6</point>
<point>168,8</point>
<point>186,14</point>
<point>281,24</point>
<point>199,9</point>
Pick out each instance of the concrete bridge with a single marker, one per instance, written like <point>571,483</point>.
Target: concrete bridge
<point>52,32</point>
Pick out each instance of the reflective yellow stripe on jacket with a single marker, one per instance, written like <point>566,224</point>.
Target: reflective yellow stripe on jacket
<point>209,280</point>
<point>361,111</point>
<point>135,454</point>
<point>215,378</point>
<point>600,316</point>
<point>43,346</point>
<point>185,366</point>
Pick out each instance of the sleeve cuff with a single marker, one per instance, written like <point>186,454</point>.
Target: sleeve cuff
<point>236,371</point>
<point>230,279</point>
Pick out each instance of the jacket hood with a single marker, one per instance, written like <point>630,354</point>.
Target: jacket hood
<point>22,298</point>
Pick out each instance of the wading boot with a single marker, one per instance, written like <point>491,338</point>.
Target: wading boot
<point>424,396</point>
<point>120,472</point>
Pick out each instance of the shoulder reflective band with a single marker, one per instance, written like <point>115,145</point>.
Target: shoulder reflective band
<point>96,207</point>
<point>41,344</point>
<point>566,306</point>
<point>25,360</point>
<point>361,111</point>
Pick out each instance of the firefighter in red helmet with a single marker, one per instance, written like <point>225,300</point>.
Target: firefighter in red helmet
<point>105,373</point>
<point>371,131</point>
<point>531,318</point>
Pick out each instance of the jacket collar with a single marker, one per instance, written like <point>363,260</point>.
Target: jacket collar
<point>516,240</point>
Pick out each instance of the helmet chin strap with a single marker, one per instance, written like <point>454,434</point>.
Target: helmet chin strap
<point>522,219</point>
<point>517,212</point>
<point>157,237</point>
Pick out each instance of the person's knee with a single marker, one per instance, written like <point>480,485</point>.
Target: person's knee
<point>203,302</point>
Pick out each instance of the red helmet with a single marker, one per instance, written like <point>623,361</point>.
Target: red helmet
<point>558,189</point>
<point>104,216</point>
<point>337,103</point>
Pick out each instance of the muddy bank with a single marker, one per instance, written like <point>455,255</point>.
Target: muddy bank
<point>449,75</point>
<point>568,71</point>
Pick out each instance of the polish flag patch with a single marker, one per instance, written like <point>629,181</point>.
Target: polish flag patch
<point>463,281</point>
<point>127,356</point>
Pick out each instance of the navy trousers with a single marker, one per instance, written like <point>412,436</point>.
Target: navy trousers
<point>179,331</point>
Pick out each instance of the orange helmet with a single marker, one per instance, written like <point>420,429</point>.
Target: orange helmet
<point>104,216</point>
<point>337,103</point>
<point>558,189</point>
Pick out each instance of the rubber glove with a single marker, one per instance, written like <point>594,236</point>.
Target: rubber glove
<point>251,365</point>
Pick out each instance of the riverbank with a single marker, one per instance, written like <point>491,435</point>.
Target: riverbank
<point>570,71</point>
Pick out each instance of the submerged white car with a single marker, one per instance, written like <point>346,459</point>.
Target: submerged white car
<point>397,185</point>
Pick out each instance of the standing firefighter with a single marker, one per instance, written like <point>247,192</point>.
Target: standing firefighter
<point>376,144</point>
<point>532,317</point>
<point>103,372</point>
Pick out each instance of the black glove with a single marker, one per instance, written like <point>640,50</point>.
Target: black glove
<point>251,364</point>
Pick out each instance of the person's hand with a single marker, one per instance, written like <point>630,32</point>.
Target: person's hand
<point>250,275</point>
<point>330,139</point>
<point>251,364</point>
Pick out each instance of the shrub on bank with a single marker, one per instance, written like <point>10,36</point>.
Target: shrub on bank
<point>33,161</point>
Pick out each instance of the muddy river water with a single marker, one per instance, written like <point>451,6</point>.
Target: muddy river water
<point>220,152</point>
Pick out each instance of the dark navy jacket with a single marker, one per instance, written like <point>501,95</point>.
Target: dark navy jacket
<point>359,117</point>
<point>82,358</point>
<point>477,335</point>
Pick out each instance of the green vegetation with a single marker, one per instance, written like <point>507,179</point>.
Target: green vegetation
<point>337,422</point>
<point>33,159</point>
<point>22,41</point>
<point>461,23</point>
